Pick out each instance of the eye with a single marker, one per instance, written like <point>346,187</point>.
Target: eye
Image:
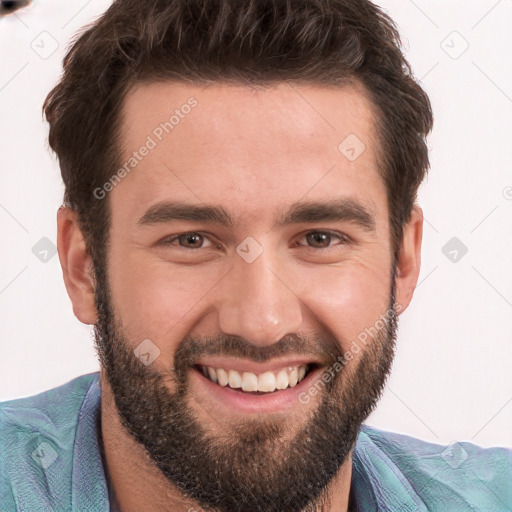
<point>323,239</point>
<point>191,240</point>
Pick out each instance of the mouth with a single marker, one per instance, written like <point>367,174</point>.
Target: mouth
<point>262,390</point>
<point>256,383</point>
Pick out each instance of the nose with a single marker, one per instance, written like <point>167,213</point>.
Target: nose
<point>257,302</point>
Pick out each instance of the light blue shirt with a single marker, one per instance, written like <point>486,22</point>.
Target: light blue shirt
<point>51,460</point>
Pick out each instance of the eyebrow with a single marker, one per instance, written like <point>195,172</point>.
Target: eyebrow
<point>344,210</point>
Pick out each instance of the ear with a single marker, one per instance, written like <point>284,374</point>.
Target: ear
<point>76,266</point>
<point>409,259</point>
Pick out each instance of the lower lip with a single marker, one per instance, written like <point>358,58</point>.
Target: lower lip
<point>238,401</point>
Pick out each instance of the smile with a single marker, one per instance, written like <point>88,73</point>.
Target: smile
<point>231,386</point>
<point>249,382</point>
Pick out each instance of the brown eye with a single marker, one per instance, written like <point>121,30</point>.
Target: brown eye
<point>191,240</point>
<point>318,239</point>
<point>323,239</point>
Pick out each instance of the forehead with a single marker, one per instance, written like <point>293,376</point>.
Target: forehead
<point>255,149</point>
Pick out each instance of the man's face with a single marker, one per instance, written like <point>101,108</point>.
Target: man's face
<point>286,286</point>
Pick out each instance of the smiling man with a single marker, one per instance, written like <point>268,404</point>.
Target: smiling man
<point>240,226</point>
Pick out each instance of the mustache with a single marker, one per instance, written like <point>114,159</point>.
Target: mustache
<point>322,349</point>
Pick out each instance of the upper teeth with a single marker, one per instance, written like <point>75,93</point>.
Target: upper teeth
<point>248,381</point>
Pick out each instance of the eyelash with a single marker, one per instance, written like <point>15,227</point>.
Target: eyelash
<point>344,239</point>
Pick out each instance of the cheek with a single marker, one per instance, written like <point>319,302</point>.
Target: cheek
<point>156,299</point>
<point>347,299</point>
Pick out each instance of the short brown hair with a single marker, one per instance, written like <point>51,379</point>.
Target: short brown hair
<point>242,41</point>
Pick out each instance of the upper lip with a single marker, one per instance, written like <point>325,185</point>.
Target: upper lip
<point>244,365</point>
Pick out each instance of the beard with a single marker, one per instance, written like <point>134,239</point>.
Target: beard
<point>254,464</point>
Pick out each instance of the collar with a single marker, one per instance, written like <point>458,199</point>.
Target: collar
<point>88,482</point>
<point>378,485</point>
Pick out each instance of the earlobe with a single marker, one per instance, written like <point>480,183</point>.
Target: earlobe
<point>76,265</point>
<point>409,259</point>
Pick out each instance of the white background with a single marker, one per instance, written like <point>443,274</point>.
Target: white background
<point>452,377</point>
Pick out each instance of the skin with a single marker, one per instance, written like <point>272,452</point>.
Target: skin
<point>255,151</point>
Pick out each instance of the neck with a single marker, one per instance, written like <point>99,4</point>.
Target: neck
<point>138,484</point>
